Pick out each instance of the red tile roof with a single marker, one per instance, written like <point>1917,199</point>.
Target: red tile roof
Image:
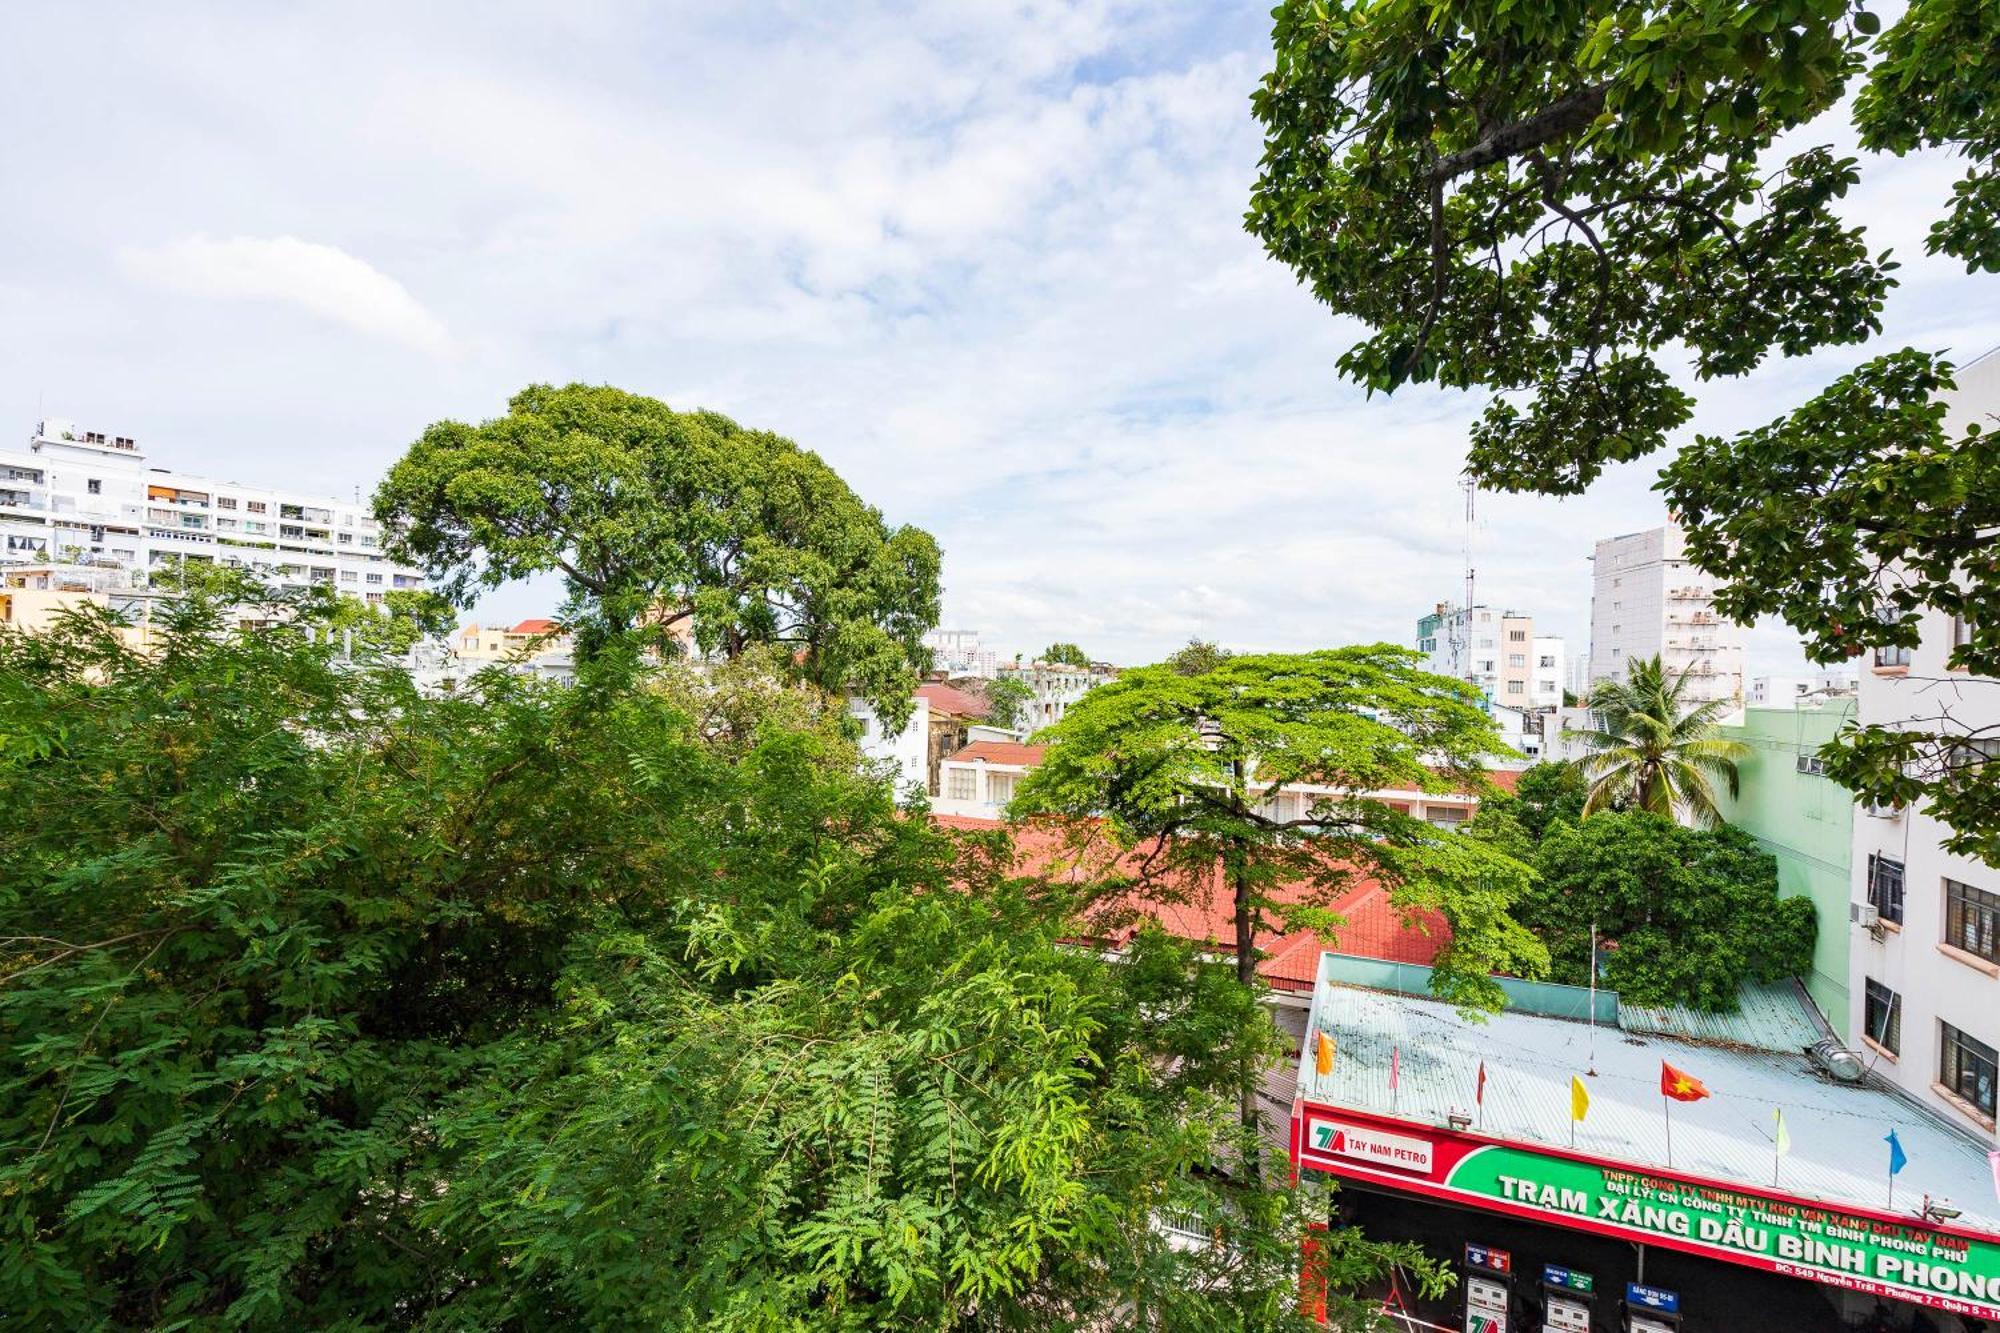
<point>1001,752</point>
<point>535,627</point>
<point>952,699</point>
<point>1372,928</point>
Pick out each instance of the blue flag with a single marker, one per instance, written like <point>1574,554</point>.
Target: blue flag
<point>1898,1159</point>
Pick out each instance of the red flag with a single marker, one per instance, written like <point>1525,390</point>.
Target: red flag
<point>1479,1096</point>
<point>1395,1066</point>
<point>1681,1087</point>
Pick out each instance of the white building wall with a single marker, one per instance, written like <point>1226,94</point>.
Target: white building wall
<point>1934,979</point>
<point>904,754</point>
<point>77,497</point>
<point>1551,672</point>
<point>1648,600</point>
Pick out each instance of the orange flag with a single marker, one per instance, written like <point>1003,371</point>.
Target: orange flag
<point>1681,1087</point>
<point>1323,1053</point>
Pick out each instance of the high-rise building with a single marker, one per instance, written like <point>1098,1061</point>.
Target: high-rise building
<point>1924,967</point>
<point>84,501</point>
<point>1498,651</point>
<point>1649,600</point>
<point>958,652</point>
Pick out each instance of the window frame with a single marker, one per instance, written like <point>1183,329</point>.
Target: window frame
<point>1961,1057</point>
<point>1891,1007</point>
<point>1964,901</point>
<point>1878,897</point>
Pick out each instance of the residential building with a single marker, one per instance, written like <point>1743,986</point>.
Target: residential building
<point>1795,812</point>
<point>958,652</point>
<point>1494,650</point>
<point>1924,980</point>
<point>82,499</point>
<point>1648,600</point>
<point>954,711</point>
<point>1550,672</point>
<point>904,754</point>
<point>1056,686</point>
<point>1782,691</point>
<point>492,643</point>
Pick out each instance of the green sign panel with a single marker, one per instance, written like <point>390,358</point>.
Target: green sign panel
<point>1903,1260</point>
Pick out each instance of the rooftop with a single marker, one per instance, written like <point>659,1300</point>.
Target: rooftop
<point>1837,1130</point>
<point>1011,753</point>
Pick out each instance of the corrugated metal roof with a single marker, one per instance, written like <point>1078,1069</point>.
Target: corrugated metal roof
<point>1777,1017</point>
<point>1838,1154</point>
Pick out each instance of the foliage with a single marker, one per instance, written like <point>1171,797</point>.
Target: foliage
<point>1007,701</point>
<point>1065,654</point>
<point>1650,749</point>
<point>1187,768</point>
<point>1545,795</point>
<point>1558,202</point>
<point>1691,912</point>
<point>675,520</point>
<point>326,1003</point>
<point>1198,656</point>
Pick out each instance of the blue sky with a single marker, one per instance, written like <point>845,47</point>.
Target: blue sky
<point>986,258</point>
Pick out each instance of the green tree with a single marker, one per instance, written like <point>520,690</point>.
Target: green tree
<point>1651,749</point>
<point>1007,701</point>
<point>325,1003</point>
<point>1198,656</point>
<point>1545,795</point>
<point>1065,654</point>
<point>1188,768</point>
<point>1559,204</point>
<point>1687,914</point>
<point>670,520</point>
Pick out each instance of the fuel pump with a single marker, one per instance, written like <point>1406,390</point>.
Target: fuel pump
<point>1566,1298</point>
<point>1651,1309</point>
<point>1489,1290</point>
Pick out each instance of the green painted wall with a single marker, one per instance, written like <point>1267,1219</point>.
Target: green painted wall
<point>1807,822</point>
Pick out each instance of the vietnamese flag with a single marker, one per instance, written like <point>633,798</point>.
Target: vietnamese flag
<point>1681,1087</point>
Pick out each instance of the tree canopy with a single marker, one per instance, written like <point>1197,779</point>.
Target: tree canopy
<point>1567,204</point>
<point>1198,655</point>
<point>1007,701</point>
<point>327,1003</point>
<point>1065,654</point>
<point>679,521</point>
<point>1687,914</point>
<point>1191,768</point>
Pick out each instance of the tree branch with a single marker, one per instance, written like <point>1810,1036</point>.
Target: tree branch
<point>1562,117</point>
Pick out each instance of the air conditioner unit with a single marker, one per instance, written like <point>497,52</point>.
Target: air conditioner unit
<point>1890,811</point>
<point>1865,915</point>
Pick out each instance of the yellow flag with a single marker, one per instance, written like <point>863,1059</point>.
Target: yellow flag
<point>1579,1098</point>
<point>1784,1135</point>
<point>1323,1053</point>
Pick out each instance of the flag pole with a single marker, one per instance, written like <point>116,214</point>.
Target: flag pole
<point>1592,1071</point>
<point>1667,1110</point>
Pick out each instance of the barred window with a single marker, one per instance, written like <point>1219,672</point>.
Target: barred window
<point>1968,1068</point>
<point>1885,886</point>
<point>1892,655</point>
<point>1972,920</point>
<point>1882,1017</point>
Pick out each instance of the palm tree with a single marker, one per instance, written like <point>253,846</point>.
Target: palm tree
<point>1651,751</point>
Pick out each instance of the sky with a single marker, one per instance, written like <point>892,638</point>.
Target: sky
<point>985,258</point>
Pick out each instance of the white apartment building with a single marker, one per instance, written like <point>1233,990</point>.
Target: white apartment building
<point>904,755</point>
<point>1056,686</point>
<point>1924,966</point>
<point>958,653</point>
<point>1648,600</point>
<point>84,500</point>
<point>1550,666</point>
<point>1793,691</point>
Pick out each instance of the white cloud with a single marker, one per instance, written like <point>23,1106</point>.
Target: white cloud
<point>323,279</point>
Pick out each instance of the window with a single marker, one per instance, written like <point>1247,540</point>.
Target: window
<point>374,578</point>
<point>1516,635</point>
<point>1548,661</point>
<point>1892,655</point>
<point>960,783</point>
<point>94,486</point>
<point>1972,920</point>
<point>1885,887</point>
<point>225,502</point>
<point>1882,1017</point>
<point>1967,1068</point>
<point>254,506</point>
<point>1517,659</point>
<point>1961,630</point>
<point>1449,816</point>
<point>1000,788</point>
<point>349,576</point>
<point>1812,765</point>
<point>1517,687</point>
